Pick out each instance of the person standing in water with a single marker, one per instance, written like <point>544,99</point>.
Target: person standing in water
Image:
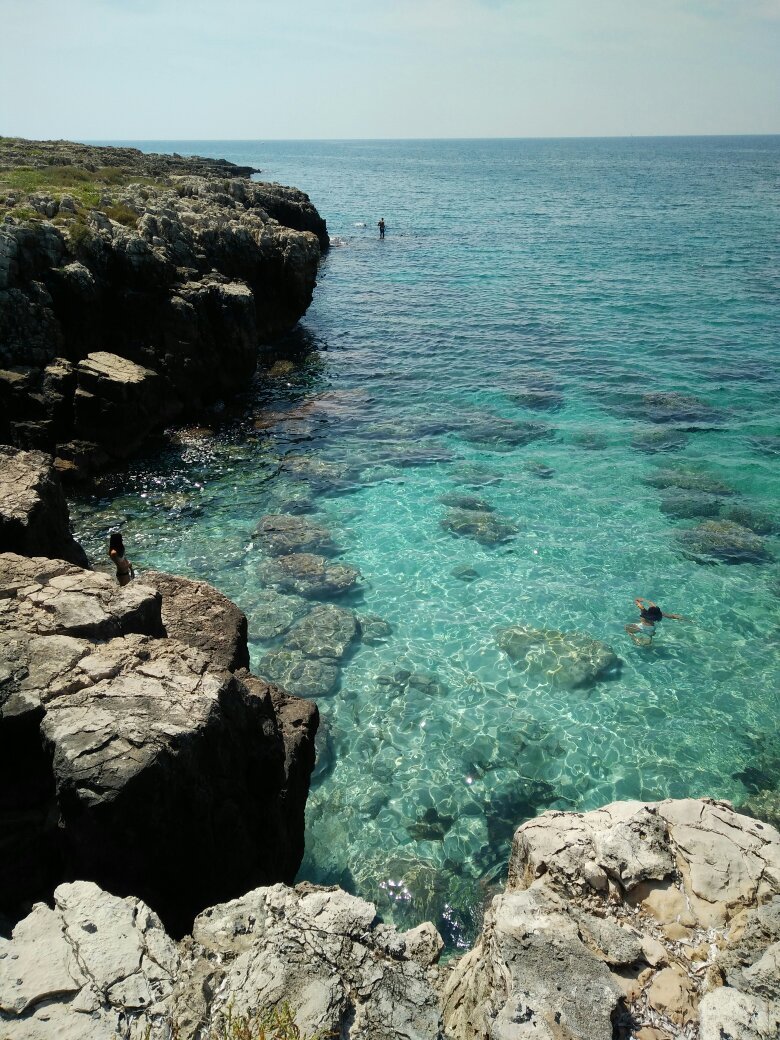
<point>116,550</point>
<point>381,226</point>
<point>650,614</point>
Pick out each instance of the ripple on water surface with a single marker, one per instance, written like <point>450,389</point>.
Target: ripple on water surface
<point>537,399</point>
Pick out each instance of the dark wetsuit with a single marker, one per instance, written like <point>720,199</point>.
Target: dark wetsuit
<point>381,226</point>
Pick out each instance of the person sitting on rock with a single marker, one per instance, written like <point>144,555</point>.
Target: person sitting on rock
<point>650,614</point>
<point>116,550</point>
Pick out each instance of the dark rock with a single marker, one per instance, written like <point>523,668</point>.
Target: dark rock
<point>430,826</point>
<point>183,277</point>
<point>273,613</point>
<point>564,659</point>
<point>539,400</point>
<point>134,759</point>
<point>197,614</point>
<point>722,541</point>
<point>768,445</point>
<point>485,528</point>
<point>427,683</point>
<point>309,575</point>
<point>672,407</point>
<point>34,519</point>
<point>539,470</point>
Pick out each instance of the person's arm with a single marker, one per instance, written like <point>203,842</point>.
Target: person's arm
<point>676,617</point>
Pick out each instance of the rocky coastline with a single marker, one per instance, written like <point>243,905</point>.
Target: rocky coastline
<point>137,289</point>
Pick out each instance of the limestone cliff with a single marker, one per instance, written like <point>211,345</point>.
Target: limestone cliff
<point>135,289</point>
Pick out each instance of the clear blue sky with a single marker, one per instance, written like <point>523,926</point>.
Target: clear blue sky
<point>254,69</point>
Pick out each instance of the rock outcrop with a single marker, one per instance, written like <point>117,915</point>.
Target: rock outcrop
<point>34,518</point>
<point>655,921</point>
<point>138,759</point>
<point>96,967</point>
<point>135,289</point>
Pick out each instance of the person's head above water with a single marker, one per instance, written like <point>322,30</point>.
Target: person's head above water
<point>115,543</point>
<point>652,613</point>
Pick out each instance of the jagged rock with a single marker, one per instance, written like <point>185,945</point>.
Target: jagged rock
<point>117,403</point>
<point>280,534</point>
<point>586,937</point>
<point>304,676</point>
<point>197,614</point>
<point>34,519</point>
<point>564,659</point>
<point>309,575</point>
<point>135,759</point>
<point>183,275</point>
<point>328,631</point>
<point>485,528</point>
<point>723,541</point>
<point>97,967</point>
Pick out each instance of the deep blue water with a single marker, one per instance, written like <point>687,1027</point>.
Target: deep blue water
<point>515,338</point>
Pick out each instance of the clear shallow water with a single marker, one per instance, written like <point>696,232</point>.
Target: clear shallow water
<point>528,291</point>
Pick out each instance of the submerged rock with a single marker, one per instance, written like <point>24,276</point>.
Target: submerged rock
<point>273,613</point>
<point>682,505</point>
<point>656,916</point>
<point>309,575</point>
<point>564,659</point>
<point>504,434</point>
<point>722,541</point>
<point>301,675</point>
<point>652,441</point>
<point>673,407</point>
<point>539,470</point>
<point>465,573</point>
<point>470,502</point>
<point>280,534</point>
<point>540,400</point>
<point>373,629</point>
<point>688,480</point>
<point>485,528</point>
<point>756,520</point>
<point>327,631</point>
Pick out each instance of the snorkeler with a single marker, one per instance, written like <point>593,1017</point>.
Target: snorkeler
<point>650,614</point>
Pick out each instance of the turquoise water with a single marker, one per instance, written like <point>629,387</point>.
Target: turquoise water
<point>501,344</point>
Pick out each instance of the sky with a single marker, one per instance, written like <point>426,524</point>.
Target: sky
<point>296,69</point>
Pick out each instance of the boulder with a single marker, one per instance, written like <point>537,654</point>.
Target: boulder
<point>688,480</point>
<point>373,629</point>
<point>273,613</point>
<point>132,758</point>
<point>304,676</point>
<point>683,505</point>
<point>656,919</point>
<point>564,659</point>
<point>659,440</point>
<point>34,518</point>
<point>472,503</point>
<point>503,434</point>
<point>197,614</point>
<point>756,520</point>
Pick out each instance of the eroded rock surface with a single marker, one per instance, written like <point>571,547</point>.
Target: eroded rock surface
<point>96,966</point>
<point>181,268</point>
<point>139,760</point>
<point>636,920</point>
<point>34,518</point>
<point>563,659</point>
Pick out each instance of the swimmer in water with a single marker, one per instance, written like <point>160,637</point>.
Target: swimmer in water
<point>650,614</point>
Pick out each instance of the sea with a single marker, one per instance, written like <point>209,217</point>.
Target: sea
<point>552,388</point>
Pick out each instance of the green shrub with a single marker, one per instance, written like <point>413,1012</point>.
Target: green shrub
<point>122,214</point>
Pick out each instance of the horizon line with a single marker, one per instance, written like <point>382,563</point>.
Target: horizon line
<point>379,140</point>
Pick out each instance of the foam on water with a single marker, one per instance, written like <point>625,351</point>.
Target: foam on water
<point>500,344</point>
